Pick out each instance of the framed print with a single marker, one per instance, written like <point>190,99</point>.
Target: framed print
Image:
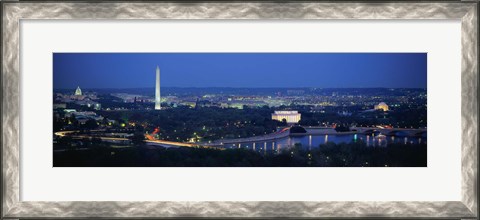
<point>242,110</point>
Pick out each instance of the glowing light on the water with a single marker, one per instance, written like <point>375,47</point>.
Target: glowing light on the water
<point>310,142</point>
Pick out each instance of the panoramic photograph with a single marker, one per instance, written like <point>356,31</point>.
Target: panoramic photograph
<point>239,110</point>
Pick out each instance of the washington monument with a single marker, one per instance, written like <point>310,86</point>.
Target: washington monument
<point>157,90</point>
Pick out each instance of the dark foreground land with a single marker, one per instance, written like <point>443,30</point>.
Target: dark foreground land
<point>328,155</point>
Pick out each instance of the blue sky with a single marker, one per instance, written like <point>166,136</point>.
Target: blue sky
<point>256,70</point>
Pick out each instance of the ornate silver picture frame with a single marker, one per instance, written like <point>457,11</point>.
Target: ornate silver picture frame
<point>14,12</point>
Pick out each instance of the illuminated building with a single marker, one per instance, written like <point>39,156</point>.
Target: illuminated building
<point>83,117</point>
<point>381,106</point>
<point>291,116</point>
<point>157,90</point>
<point>78,91</point>
<point>192,104</point>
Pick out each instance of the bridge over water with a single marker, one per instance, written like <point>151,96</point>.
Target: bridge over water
<point>391,131</point>
<point>319,131</point>
<point>262,138</point>
<point>219,144</point>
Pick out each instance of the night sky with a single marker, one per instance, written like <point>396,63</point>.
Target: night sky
<point>256,70</point>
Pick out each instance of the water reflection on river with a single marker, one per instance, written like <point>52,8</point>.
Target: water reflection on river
<point>313,141</point>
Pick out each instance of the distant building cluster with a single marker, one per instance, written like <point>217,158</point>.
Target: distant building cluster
<point>295,92</point>
<point>291,117</point>
<point>223,101</point>
<point>79,98</point>
<point>132,98</point>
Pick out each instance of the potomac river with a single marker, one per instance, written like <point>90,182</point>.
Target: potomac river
<point>374,137</point>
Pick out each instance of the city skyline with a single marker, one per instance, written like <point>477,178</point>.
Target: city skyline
<point>240,110</point>
<point>240,70</point>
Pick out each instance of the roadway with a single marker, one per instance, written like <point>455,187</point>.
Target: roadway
<point>179,144</point>
<point>117,139</point>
